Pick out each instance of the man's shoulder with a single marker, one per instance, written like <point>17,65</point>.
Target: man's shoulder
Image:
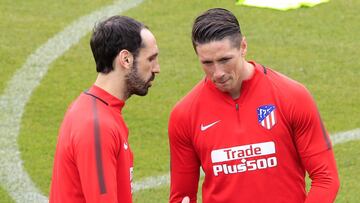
<point>81,106</point>
<point>290,92</point>
<point>85,110</point>
<point>285,83</point>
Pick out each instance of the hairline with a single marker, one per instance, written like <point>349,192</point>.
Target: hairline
<point>233,43</point>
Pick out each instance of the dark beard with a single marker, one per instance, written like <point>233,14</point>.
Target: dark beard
<point>136,85</point>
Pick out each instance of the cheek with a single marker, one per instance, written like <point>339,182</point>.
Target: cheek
<point>209,71</point>
<point>143,68</point>
<point>232,69</point>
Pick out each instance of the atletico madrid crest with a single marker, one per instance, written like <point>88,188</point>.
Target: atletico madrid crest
<point>266,116</point>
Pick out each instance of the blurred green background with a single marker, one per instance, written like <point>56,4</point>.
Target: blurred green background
<point>315,46</point>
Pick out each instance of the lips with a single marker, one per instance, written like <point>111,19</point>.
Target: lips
<point>151,79</point>
<point>222,82</point>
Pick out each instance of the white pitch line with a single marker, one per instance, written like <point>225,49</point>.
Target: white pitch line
<point>347,136</point>
<point>152,182</point>
<point>13,177</point>
<point>162,180</point>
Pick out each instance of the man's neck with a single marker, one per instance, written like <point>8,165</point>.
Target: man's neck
<point>247,73</point>
<point>112,84</point>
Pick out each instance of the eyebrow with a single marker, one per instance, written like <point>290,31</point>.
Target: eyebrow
<point>220,59</point>
<point>154,55</point>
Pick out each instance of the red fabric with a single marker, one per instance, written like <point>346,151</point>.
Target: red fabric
<point>93,160</point>
<point>323,173</point>
<point>244,161</point>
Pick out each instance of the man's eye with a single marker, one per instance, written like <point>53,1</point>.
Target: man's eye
<point>224,60</point>
<point>207,62</point>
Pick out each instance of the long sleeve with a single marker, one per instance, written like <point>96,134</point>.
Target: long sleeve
<point>96,161</point>
<point>323,173</point>
<point>184,163</point>
<point>315,150</point>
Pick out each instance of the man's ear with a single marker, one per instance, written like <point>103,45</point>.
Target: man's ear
<point>125,59</point>
<point>243,47</point>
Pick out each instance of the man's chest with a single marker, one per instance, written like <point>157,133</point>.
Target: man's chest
<point>241,137</point>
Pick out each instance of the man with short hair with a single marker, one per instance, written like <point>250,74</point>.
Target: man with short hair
<point>253,131</point>
<point>93,161</point>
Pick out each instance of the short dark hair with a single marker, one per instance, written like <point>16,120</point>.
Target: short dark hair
<point>111,36</point>
<point>216,24</point>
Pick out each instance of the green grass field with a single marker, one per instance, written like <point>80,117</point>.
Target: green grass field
<point>318,47</point>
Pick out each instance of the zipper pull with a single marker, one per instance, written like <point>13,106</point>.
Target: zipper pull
<point>237,107</point>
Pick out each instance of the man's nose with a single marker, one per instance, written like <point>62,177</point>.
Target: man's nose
<point>219,72</point>
<point>156,68</point>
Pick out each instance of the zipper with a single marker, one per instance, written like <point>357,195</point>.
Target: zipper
<point>237,111</point>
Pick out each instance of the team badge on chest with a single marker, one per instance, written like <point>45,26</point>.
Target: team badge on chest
<point>266,116</point>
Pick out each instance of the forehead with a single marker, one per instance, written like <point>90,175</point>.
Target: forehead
<point>215,49</point>
<point>148,41</point>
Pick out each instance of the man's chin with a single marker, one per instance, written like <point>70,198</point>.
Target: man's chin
<point>221,88</point>
<point>142,92</point>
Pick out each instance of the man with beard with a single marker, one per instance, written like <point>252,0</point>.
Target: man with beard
<point>93,161</point>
